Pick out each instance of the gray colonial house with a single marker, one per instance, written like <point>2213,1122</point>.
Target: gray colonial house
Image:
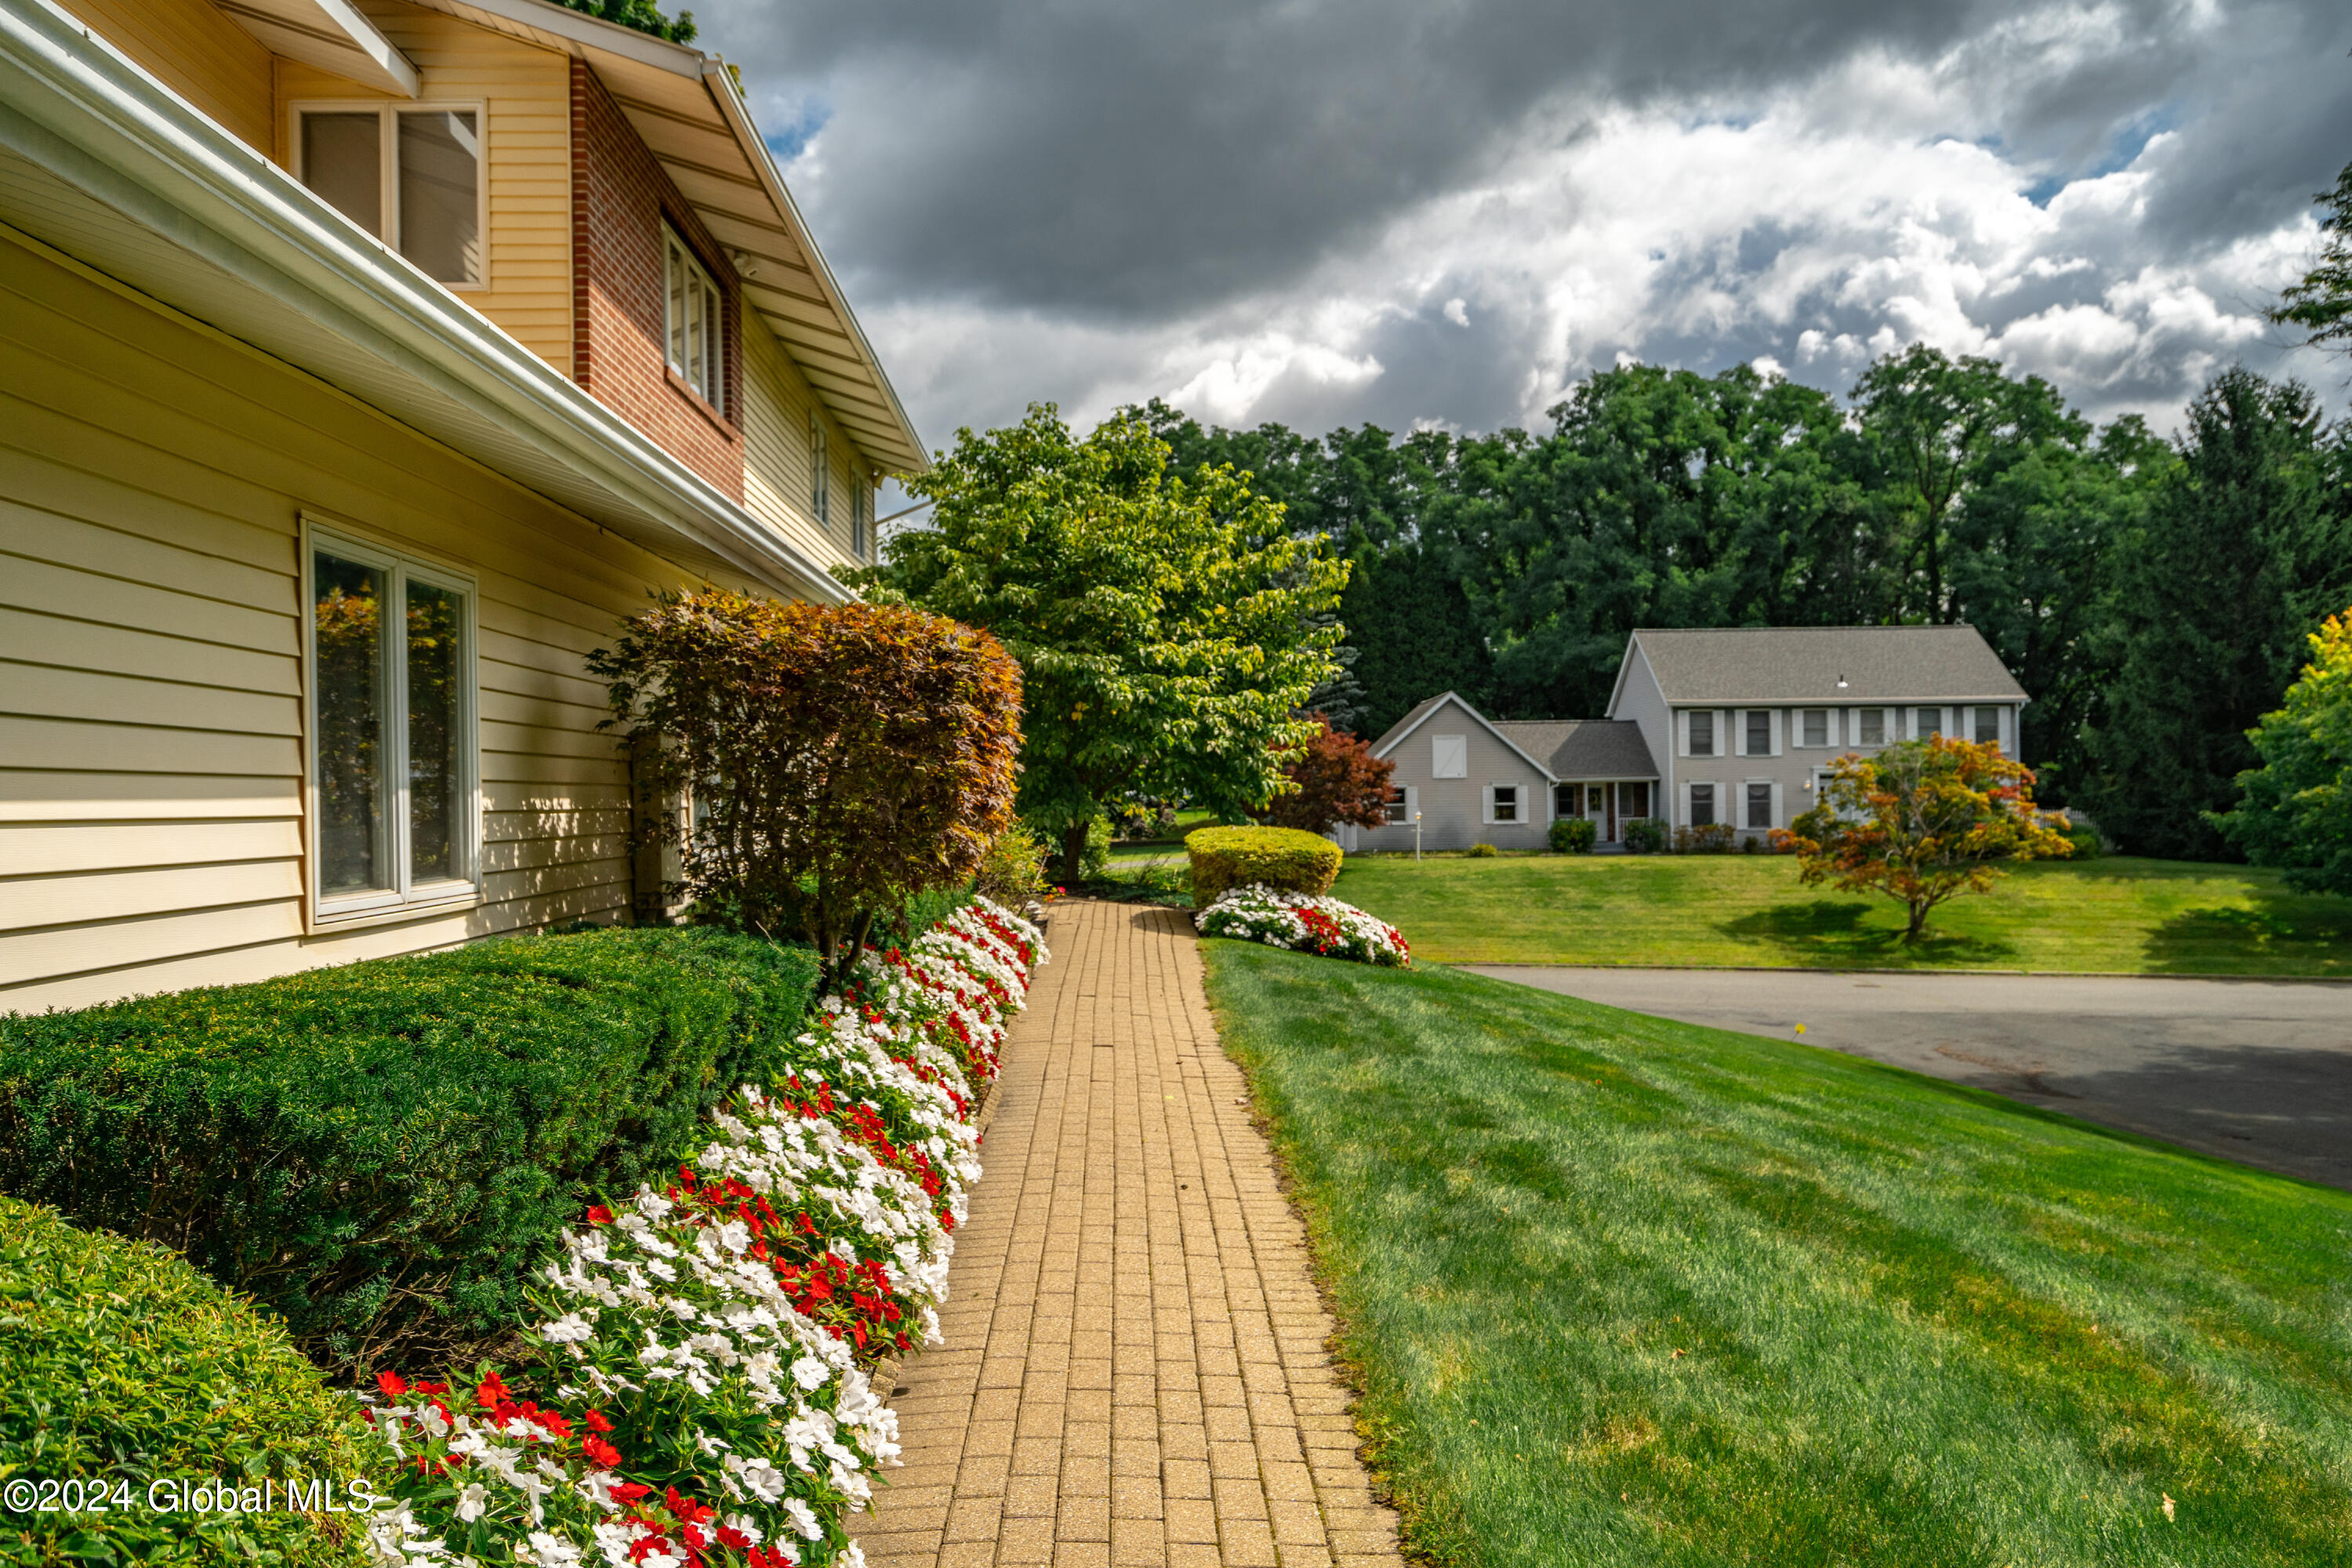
<point>1737,726</point>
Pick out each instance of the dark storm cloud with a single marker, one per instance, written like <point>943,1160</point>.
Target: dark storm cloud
<point>1140,161</point>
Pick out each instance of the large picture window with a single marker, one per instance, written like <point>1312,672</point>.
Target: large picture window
<point>410,176</point>
<point>693,323</point>
<point>392,731</point>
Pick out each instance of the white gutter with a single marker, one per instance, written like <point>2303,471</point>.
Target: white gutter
<point>73,105</point>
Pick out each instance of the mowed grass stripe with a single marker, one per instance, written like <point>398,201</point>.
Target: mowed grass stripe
<point>2116,916</point>
<point>1919,1324</point>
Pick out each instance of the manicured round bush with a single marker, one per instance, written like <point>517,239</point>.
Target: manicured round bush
<point>1646,836</point>
<point>122,1368</point>
<point>1284,858</point>
<point>1572,835</point>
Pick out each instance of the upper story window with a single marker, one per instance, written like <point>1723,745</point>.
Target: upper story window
<point>1702,733</point>
<point>1929,722</point>
<point>1872,725</point>
<point>393,766</point>
<point>1760,732</point>
<point>693,325</point>
<point>1987,726</point>
<point>819,473</point>
<point>1817,726</point>
<point>410,176</point>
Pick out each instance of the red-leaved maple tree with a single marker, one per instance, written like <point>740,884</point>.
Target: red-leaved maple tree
<point>1334,779</point>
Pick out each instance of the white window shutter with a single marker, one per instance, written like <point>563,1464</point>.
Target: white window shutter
<point>1682,732</point>
<point>1487,793</point>
<point>1779,721</point>
<point>1412,804</point>
<point>1780,812</point>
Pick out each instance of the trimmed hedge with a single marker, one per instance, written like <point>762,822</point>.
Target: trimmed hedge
<point>1284,858</point>
<point>123,1366</point>
<point>379,1152</point>
<point>1572,835</point>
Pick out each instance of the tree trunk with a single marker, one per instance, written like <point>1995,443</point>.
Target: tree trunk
<point>1074,851</point>
<point>1919,922</point>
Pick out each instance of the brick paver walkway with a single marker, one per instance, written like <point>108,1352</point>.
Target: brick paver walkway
<point>1134,1370</point>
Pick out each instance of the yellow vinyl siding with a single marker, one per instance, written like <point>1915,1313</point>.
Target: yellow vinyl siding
<point>527,97</point>
<point>193,48</point>
<point>776,449</point>
<point>152,478</point>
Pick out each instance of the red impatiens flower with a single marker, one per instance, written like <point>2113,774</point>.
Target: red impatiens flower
<point>596,1422</point>
<point>492,1393</point>
<point>601,1454</point>
<point>390,1382</point>
<point>599,1215</point>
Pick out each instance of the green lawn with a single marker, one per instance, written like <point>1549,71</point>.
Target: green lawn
<point>2156,917</point>
<point>1626,1291</point>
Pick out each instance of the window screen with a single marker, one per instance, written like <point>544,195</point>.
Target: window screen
<point>1702,733</point>
<point>343,161</point>
<point>1759,805</point>
<point>1702,805</point>
<point>440,166</point>
<point>1759,732</point>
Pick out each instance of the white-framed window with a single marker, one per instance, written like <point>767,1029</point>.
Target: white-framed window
<point>1449,756</point>
<point>1702,733</point>
<point>1399,806</point>
<point>1702,805</point>
<point>1926,722</point>
<point>1872,723</point>
<point>694,322</point>
<point>1760,804</point>
<point>820,472</point>
<point>861,515</point>
<point>1987,726</point>
<point>1502,803</point>
<point>394,763</point>
<point>1817,727</point>
<point>409,173</point>
<point>1568,800</point>
<point>1759,737</point>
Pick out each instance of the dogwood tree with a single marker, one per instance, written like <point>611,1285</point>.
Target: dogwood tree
<point>1169,628</point>
<point>1921,822</point>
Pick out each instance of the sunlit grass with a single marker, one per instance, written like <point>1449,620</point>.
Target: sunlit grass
<point>2116,915</point>
<point>1627,1292</point>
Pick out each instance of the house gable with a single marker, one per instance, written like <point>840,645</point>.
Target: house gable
<point>1403,729</point>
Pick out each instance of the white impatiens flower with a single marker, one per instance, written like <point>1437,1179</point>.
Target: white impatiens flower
<point>681,1308</point>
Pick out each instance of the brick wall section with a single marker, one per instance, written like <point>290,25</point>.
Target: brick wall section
<point>620,199</point>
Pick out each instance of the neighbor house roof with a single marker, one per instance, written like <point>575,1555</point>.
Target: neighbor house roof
<point>1583,748</point>
<point>1413,721</point>
<point>1807,664</point>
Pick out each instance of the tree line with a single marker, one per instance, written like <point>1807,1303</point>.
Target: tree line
<point>2153,596</point>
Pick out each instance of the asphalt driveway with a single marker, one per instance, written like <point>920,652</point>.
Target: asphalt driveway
<point>2254,1070</point>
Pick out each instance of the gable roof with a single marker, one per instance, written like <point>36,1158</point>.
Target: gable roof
<point>1584,748</point>
<point>691,115</point>
<point>1805,664</point>
<point>1398,731</point>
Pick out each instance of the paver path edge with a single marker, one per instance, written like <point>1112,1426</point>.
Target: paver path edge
<point>1135,1368</point>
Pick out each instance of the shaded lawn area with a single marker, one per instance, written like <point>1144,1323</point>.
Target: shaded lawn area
<point>1627,1292</point>
<point>2118,915</point>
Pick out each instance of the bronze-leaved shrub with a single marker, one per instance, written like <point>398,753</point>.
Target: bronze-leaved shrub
<point>841,757</point>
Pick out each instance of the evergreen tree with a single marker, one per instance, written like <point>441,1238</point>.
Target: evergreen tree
<point>2215,595</point>
<point>1414,634</point>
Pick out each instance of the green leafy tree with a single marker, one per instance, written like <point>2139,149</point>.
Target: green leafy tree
<point>2296,811</point>
<point>2214,596</point>
<point>2320,302</point>
<point>1921,822</point>
<point>643,14</point>
<point>1170,628</point>
<point>1414,633</point>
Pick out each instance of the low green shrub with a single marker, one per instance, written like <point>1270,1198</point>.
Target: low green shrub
<point>378,1152</point>
<point>2085,840</point>
<point>1704,839</point>
<point>1572,835</point>
<point>1646,836</point>
<point>1482,850</point>
<point>124,1368</point>
<point>1284,858</point>
<point>1013,872</point>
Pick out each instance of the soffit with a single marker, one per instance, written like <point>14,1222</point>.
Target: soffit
<point>684,106</point>
<point>332,34</point>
